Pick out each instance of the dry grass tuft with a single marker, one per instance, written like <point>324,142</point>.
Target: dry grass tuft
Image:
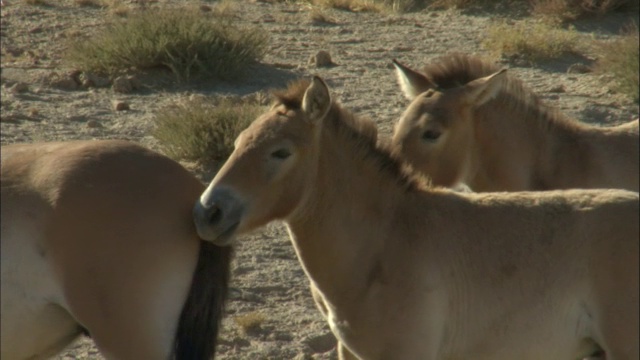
<point>201,132</point>
<point>37,2</point>
<point>352,5</point>
<point>187,41</point>
<point>621,59</point>
<point>569,10</point>
<point>531,40</point>
<point>250,322</point>
<point>87,3</point>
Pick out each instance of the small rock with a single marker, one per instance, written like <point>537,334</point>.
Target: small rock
<point>92,124</point>
<point>77,118</point>
<point>88,79</point>
<point>126,84</point>
<point>122,85</point>
<point>321,59</point>
<point>205,8</point>
<point>65,84</point>
<point>321,343</point>
<point>554,97</point>
<point>557,89</point>
<point>120,105</point>
<point>579,69</point>
<point>68,81</point>
<point>19,87</point>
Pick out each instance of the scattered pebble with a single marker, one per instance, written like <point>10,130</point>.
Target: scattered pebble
<point>321,343</point>
<point>120,105</point>
<point>125,84</point>
<point>19,87</point>
<point>122,85</point>
<point>579,69</point>
<point>88,79</point>
<point>557,89</point>
<point>92,124</point>
<point>321,59</point>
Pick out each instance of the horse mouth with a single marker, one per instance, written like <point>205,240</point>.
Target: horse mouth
<point>226,237</point>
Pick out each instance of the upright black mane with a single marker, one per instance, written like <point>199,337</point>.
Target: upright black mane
<point>457,69</point>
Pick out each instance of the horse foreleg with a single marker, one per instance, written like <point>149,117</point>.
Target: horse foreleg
<point>345,354</point>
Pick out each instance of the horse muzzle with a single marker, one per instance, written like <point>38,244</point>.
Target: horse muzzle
<point>217,215</point>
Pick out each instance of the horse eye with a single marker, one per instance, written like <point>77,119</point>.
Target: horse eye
<point>431,135</point>
<point>281,154</point>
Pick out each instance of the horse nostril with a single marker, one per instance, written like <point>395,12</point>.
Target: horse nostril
<point>213,214</point>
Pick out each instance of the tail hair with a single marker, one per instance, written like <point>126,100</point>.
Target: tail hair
<point>197,333</point>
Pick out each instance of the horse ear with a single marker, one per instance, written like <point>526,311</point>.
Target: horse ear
<point>317,100</point>
<point>411,82</point>
<point>481,90</point>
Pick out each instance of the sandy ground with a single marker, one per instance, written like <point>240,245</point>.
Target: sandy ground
<point>267,278</point>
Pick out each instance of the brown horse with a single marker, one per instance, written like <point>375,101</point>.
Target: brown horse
<point>401,270</point>
<point>470,123</point>
<point>97,236</point>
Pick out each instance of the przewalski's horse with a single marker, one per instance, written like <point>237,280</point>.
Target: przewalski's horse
<point>470,123</point>
<point>98,235</point>
<point>404,271</point>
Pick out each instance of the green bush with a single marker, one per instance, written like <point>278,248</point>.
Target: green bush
<point>186,41</point>
<point>201,132</point>
<point>621,59</point>
<point>532,40</point>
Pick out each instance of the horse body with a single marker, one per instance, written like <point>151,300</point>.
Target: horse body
<point>96,235</point>
<point>404,271</point>
<point>473,124</point>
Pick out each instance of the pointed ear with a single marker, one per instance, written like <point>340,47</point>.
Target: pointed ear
<point>317,100</point>
<point>411,82</point>
<point>481,90</point>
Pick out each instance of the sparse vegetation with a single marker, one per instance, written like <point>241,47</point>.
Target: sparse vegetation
<point>200,132</point>
<point>621,59</point>
<point>250,322</point>
<point>532,40</point>
<point>568,10</point>
<point>352,5</point>
<point>36,2</point>
<point>186,41</point>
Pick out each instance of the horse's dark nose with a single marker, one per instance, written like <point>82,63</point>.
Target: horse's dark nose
<point>208,215</point>
<point>212,214</point>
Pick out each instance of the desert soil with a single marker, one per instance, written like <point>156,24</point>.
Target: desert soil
<point>268,282</point>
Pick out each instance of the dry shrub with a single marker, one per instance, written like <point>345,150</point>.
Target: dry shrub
<point>451,4</point>
<point>352,5</point>
<point>186,41</point>
<point>37,2</point>
<point>621,59</point>
<point>250,322</point>
<point>531,40</point>
<point>568,10</point>
<point>201,132</point>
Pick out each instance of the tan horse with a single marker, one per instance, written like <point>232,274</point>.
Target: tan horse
<point>98,236</point>
<point>403,271</point>
<point>470,123</point>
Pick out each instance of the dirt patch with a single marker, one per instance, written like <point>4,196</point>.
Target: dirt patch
<point>267,277</point>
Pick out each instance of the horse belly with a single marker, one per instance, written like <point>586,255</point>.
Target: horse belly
<point>34,323</point>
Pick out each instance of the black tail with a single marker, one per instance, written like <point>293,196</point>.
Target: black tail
<point>201,315</point>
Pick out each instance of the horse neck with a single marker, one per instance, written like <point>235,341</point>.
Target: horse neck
<point>338,229</point>
<point>518,133</point>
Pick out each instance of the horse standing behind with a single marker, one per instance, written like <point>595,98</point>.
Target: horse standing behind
<point>470,123</point>
<point>98,235</point>
<point>401,270</point>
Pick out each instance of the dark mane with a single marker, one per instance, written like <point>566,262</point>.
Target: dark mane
<point>361,132</point>
<point>458,69</point>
